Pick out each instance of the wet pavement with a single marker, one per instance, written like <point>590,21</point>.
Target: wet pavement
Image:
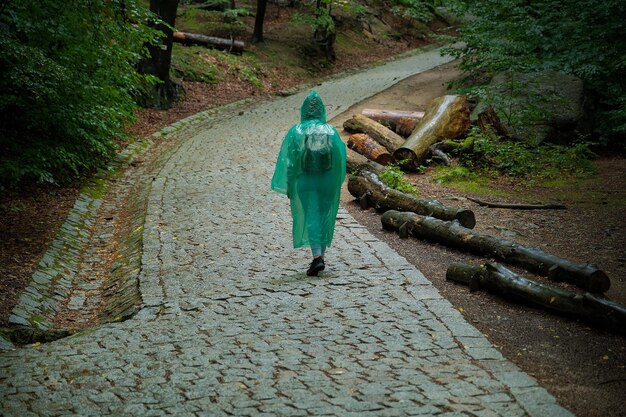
<point>231,325</point>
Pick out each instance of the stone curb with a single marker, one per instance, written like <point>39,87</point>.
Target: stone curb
<point>54,275</point>
<point>32,318</point>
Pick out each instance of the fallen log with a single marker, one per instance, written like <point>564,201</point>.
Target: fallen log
<point>549,206</point>
<point>446,118</point>
<point>367,187</point>
<point>586,276</point>
<point>378,132</point>
<point>401,122</point>
<point>497,279</point>
<point>436,150</point>
<point>488,119</point>
<point>356,162</point>
<point>369,148</point>
<point>209,41</point>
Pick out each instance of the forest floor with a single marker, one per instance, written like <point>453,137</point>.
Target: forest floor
<point>582,366</point>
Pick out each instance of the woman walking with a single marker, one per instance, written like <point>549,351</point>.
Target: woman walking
<point>310,170</point>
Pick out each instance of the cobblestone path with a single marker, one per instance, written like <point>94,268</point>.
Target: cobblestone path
<point>231,325</point>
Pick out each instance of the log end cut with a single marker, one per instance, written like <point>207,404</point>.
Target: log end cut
<point>466,218</point>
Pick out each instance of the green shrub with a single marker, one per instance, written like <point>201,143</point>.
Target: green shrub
<point>487,155</point>
<point>393,177</point>
<point>66,86</point>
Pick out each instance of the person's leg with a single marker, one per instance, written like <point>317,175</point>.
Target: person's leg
<point>317,251</point>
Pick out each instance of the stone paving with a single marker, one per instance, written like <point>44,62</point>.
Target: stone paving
<point>231,325</point>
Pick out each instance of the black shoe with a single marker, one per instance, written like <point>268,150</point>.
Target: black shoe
<point>316,266</point>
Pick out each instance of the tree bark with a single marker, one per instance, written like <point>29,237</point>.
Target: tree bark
<point>497,279</point>
<point>354,160</point>
<point>367,187</point>
<point>446,118</point>
<point>378,132</point>
<point>368,147</point>
<point>586,276</point>
<point>401,122</point>
<point>437,151</point>
<point>488,119</point>
<point>160,57</point>
<point>209,41</point>
<point>257,34</point>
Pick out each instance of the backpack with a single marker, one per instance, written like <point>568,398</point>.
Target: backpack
<point>317,155</point>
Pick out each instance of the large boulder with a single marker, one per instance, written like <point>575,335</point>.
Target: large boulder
<point>539,106</point>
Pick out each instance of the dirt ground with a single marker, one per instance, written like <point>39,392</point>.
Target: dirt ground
<point>583,367</point>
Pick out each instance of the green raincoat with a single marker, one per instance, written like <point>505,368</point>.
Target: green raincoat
<point>310,169</point>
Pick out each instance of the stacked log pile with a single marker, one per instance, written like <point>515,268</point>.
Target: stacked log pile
<point>410,139</point>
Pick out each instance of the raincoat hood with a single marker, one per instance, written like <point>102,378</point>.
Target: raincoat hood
<point>313,108</point>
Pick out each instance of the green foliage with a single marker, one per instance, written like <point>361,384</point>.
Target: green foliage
<point>488,155</point>
<point>393,177</point>
<point>579,37</point>
<point>66,86</point>
<point>420,10</point>
<point>322,19</point>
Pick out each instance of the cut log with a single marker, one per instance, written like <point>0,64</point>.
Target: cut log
<point>367,187</point>
<point>209,41</point>
<point>550,206</point>
<point>586,276</point>
<point>369,148</point>
<point>497,279</point>
<point>447,117</point>
<point>378,132</point>
<point>488,119</point>
<point>355,162</point>
<point>401,122</point>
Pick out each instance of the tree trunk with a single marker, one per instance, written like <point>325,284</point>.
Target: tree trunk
<point>257,34</point>
<point>369,148</point>
<point>378,132</point>
<point>367,187</point>
<point>209,41</point>
<point>160,57</point>
<point>497,279</point>
<point>401,122</point>
<point>446,118</point>
<point>586,276</point>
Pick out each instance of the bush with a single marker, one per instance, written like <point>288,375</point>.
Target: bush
<point>487,155</point>
<point>393,177</point>
<point>579,37</point>
<point>66,86</point>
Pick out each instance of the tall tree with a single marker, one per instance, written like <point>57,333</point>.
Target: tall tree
<point>158,63</point>
<point>257,35</point>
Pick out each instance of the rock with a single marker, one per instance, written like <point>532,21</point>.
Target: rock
<point>540,107</point>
